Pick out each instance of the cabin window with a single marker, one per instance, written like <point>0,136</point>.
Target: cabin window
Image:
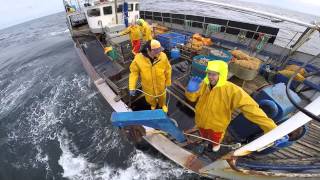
<point>120,7</point>
<point>107,10</point>
<point>130,7</point>
<point>93,12</point>
<point>137,7</point>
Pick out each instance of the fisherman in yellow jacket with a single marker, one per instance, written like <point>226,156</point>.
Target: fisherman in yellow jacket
<point>135,36</point>
<point>145,29</point>
<point>154,69</point>
<point>217,98</point>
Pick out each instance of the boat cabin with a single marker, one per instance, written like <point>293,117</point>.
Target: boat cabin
<point>105,13</point>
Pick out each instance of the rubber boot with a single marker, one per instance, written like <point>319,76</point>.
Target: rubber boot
<point>216,148</point>
<point>165,108</point>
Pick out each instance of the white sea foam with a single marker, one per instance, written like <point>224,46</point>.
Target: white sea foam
<point>141,166</point>
<point>11,95</point>
<point>55,33</point>
<point>42,120</point>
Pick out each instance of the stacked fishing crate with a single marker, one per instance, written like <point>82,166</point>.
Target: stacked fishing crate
<point>171,40</point>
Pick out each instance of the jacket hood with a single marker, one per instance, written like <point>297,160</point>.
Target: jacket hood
<point>220,67</point>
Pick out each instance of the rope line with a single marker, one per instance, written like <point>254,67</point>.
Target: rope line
<point>155,96</point>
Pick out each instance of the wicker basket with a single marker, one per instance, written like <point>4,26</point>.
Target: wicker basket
<point>242,73</point>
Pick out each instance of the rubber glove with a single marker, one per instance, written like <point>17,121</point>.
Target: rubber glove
<point>194,84</point>
<point>132,92</point>
<point>281,143</point>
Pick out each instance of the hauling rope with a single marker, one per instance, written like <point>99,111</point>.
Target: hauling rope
<point>156,96</point>
<point>232,146</point>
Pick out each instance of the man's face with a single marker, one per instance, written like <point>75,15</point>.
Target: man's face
<point>213,77</point>
<point>154,53</point>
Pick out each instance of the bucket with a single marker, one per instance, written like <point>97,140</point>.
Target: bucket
<point>175,53</point>
<point>242,73</point>
<point>113,54</point>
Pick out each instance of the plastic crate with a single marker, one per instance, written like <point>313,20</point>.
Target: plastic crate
<point>170,40</point>
<point>227,58</point>
<point>200,69</point>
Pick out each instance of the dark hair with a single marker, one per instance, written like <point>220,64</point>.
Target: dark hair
<point>145,48</point>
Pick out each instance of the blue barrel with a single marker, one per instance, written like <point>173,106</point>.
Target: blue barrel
<point>175,53</point>
<point>269,107</point>
<point>273,100</point>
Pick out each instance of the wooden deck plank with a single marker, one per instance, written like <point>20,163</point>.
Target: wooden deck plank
<point>287,154</point>
<point>301,150</point>
<point>279,155</point>
<point>295,151</point>
<point>314,147</point>
<point>314,134</point>
<point>313,122</point>
<point>271,156</point>
<point>309,147</point>
<point>314,130</point>
<point>305,149</point>
<point>312,139</point>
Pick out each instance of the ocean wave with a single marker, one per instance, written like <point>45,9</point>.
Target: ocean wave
<point>12,95</point>
<point>41,121</point>
<point>45,115</point>
<point>141,166</point>
<point>55,33</point>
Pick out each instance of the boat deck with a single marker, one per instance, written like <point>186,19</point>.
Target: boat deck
<point>302,154</point>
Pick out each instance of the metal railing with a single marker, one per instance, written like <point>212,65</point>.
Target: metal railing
<point>227,26</point>
<point>251,31</point>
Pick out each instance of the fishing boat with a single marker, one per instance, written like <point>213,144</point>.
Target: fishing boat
<point>246,152</point>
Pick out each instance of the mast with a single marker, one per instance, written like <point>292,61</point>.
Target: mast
<point>116,8</point>
<point>79,6</point>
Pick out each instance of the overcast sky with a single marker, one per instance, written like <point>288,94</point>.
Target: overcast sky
<point>306,6</point>
<point>17,11</point>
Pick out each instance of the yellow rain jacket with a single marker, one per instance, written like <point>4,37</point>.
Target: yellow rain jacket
<point>133,31</point>
<point>215,106</point>
<point>146,31</point>
<point>155,77</point>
